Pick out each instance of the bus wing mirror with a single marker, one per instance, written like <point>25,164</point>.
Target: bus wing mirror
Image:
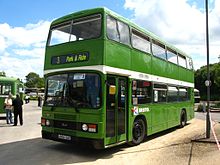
<point>112,89</point>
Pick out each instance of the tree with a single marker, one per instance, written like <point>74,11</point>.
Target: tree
<point>33,80</point>
<point>201,77</point>
<point>2,74</point>
<point>217,75</point>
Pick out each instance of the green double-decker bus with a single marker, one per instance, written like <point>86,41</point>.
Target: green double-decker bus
<point>9,85</point>
<point>110,82</point>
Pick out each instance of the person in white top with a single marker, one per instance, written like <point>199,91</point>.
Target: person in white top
<point>8,109</point>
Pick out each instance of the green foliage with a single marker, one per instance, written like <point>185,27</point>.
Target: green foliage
<point>217,105</point>
<point>33,80</point>
<point>201,77</point>
<point>2,74</point>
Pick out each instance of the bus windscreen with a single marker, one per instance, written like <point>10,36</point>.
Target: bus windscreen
<point>76,30</point>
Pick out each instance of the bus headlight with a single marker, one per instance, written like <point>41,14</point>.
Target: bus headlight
<point>84,127</point>
<point>89,127</point>
<point>47,122</point>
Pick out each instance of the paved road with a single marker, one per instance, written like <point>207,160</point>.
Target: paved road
<point>214,115</point>
<point>23,145</point>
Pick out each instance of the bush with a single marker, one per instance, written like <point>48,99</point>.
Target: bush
<point>216,105</point>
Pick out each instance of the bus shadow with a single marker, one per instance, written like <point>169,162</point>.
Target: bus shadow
<point>39,151</point>
<point>162,133</point>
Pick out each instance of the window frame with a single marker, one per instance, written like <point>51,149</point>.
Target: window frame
<point>135,96</point>
<point>180,56</point>
<point>68,75</point>
<point>183,89</point>
<point>171,88</point>
<point>70,23</point>
<point>117,21</point>
<point>3,90</point>
<point>174,53</point>
<point>156,45</point>
<point>145,38</point>
<point>189,62</point>
<point>160,87</point>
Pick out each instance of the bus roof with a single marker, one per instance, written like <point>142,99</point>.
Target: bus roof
<point>119,17</point>
<point>9,79</point>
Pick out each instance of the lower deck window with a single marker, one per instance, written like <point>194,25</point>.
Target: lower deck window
<point>141,92</point>
<point>5,89</point>
<point>160,93</point>
<point>172,94</point>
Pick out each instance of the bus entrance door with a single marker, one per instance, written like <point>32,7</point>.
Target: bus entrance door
<point>116,109</point>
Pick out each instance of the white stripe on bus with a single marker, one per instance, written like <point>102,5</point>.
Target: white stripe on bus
<point>123,72</point>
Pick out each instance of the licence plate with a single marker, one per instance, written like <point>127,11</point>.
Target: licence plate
<point>64,137</point>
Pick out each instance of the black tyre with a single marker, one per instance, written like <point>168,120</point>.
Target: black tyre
<point>138,131</point>
<point>183,119</point>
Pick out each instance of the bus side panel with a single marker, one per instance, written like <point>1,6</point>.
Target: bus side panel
<point>173,113</point>
<point>172,71</point>
<point>191,113</point>
<point>189,76</point>
<point>141,62</point>
<point>186,75</point>
<point>159,117</point>
<point>117,55</point>
<point>2,99</point>
<point>159,67</point>
<point>182,74</point>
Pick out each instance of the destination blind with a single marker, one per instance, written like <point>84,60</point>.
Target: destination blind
<point>70,58</point>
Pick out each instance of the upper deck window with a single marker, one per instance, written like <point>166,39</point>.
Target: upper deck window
<point>158,50</point>
<point>140,41</point>
<point>189,63</point>
<point>78,29</point>
<point>182,60</point>
<point>117,31</point>
<point>172,56</point>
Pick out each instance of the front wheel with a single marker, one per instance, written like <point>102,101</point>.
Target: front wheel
<point>138,132</point>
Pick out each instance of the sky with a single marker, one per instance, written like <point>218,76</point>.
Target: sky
<point>24,27</point>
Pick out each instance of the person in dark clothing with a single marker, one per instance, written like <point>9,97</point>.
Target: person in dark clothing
<point>17,104</point>
<point>39,100</point>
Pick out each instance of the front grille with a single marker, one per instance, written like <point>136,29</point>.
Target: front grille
<point>64,117</point>
<point>65,124</point>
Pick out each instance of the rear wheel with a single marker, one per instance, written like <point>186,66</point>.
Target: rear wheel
<point>138,132</point>
<point>183,119</point>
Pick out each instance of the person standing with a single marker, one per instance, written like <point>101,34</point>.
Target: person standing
<point>17,104</point>
<point>8,109</point>
<point>39,100</point>
<point>26,98</point>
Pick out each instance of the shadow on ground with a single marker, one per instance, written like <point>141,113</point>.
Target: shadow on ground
<point>39,151</point>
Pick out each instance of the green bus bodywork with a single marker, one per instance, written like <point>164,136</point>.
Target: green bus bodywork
<point>9,85</point>
<point>128,101</point>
